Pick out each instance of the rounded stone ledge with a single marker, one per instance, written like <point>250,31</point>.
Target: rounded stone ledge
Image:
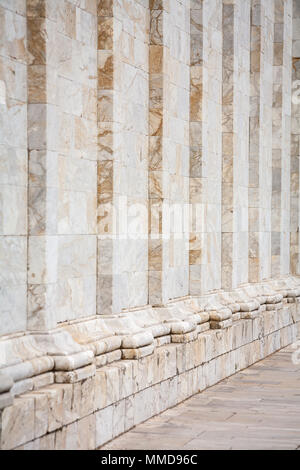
<point>221,325</point>
<point>162,329</point>
<point>204,317</point>
<point>112,343</point>
<point>18,350</point>
<point>6,382</point>
<point>72,362</point>
<point>104,346</point>
<point>274,298</point>
<point>74,376</point>
<point>249,306</point>
<point>94,334</point>
<point>262,299</point>
<point>149,320</point>
<point>250,315</point>
<point>28,369</point>
<point>137,340</point>
<point>125,326</point>
<point>234,307</point>
<point>220,315</point>
<point>185,337</point>
<point>138,353</point>
<point>183,327</point>
<point>108,358</point>
<point>293,293</point>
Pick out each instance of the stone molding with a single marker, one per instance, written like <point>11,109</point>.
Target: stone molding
<point>73,351</point>
<point>89,406</point>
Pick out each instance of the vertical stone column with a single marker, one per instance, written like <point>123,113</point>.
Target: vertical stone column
<point>205,145</point>
<point>169,150</point>
<point>228,144</point>
<point>122,225</point>
<point>105,174</point>
<point>286,133</point>
<point>281,137</point>
<point>43,178</point>
<point>158,256</point>
<point>277,136</point>
<point>13,167</point>
<point>235,108</point>
<point>196,256</point>
<point>177,146</point>
<point>260,145</point>
<point>295,143</point>
<point>62,129</point>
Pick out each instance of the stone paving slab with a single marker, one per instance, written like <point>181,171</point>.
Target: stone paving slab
<point>258,408</point>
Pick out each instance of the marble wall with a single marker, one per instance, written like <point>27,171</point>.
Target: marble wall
<point>149,150</point>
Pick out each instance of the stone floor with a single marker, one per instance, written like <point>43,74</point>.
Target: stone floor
<point>258,408</point>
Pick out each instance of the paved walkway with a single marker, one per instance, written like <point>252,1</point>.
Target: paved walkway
<point>258,408</point>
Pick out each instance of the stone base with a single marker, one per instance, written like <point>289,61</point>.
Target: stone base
<point>90,412</point>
